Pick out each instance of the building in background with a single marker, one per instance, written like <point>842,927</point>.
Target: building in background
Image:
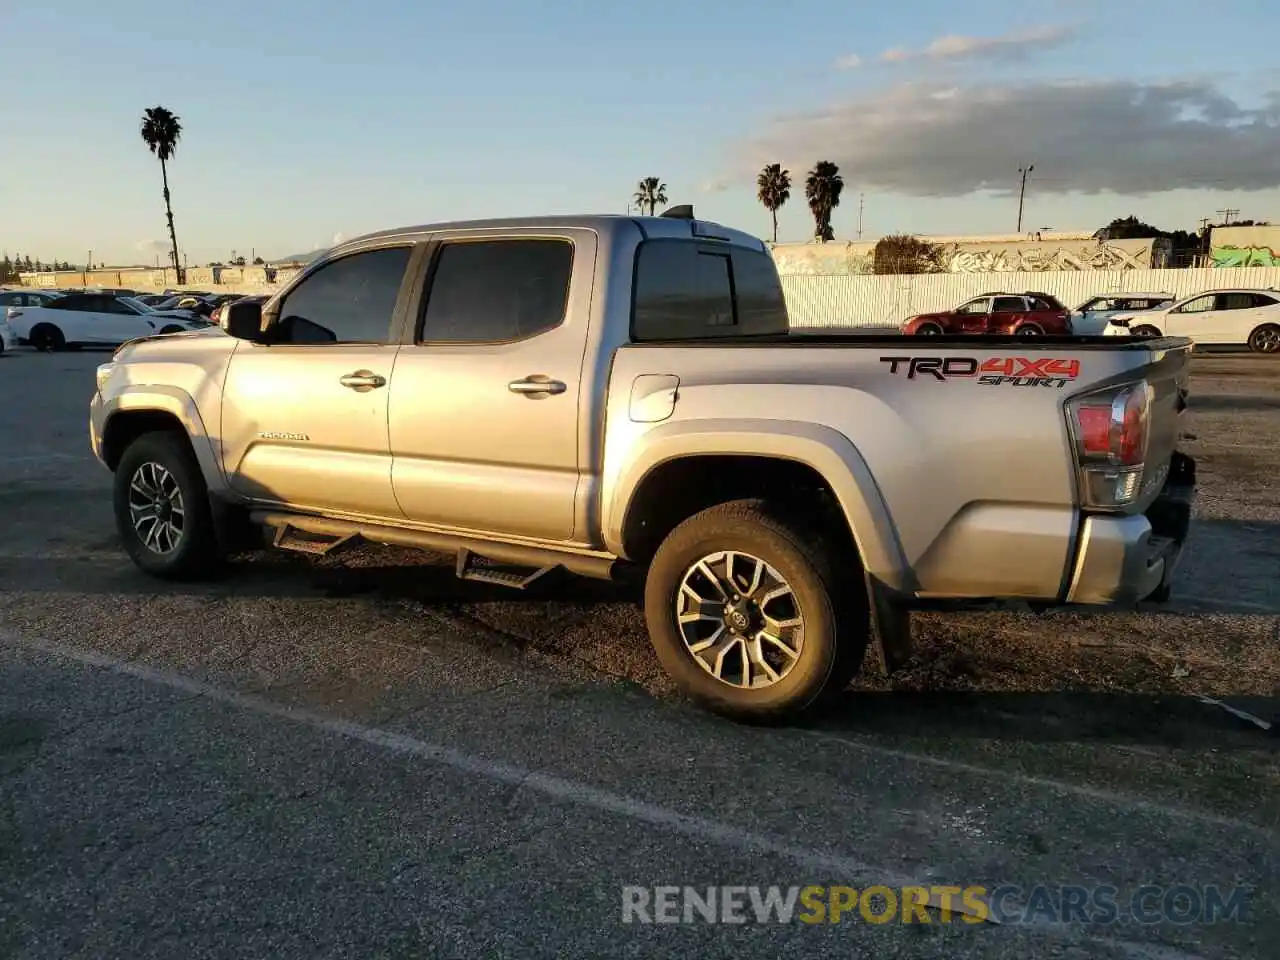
<point>1039,252</point>
<point>1252,246</point>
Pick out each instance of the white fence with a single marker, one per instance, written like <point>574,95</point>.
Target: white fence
<point>871,301</point>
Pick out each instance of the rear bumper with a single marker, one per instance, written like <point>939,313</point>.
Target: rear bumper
<point>1129,559</point>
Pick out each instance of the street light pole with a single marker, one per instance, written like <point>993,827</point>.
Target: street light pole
<point>1022,193</point>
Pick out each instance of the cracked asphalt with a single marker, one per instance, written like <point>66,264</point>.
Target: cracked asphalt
<point>367,758</point>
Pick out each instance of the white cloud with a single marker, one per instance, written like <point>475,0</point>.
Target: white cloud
<point>850,62</point>
<point>1083,136</point>
<point>1019,44</point>
<point>715,186</point>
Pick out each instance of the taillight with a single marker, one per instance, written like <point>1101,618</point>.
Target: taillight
<point>1110,431</point>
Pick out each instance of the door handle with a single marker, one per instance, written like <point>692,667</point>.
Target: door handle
<point>363,380</point>
<point>536,386</point>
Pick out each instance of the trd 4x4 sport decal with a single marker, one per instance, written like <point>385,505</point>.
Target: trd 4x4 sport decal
<point>992,372</point>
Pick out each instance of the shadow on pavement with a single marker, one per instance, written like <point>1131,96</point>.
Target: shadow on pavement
<point>1163,720</point>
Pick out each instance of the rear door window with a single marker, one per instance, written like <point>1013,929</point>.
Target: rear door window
<point>1009,305</point>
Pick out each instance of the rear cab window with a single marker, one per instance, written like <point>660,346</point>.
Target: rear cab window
<point>695,290</point>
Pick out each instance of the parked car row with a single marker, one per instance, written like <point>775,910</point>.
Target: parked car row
<point>59,319</point>
<point>1229,317</point>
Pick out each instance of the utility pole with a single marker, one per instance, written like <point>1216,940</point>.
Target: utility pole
<point>861,198</point>
<point>1022,193</point>
<point>1227,215</point>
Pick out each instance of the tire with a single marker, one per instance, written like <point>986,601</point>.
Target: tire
<point>172,328</point>
<point>149,460</point>
<point>929,330</point>
<point>1265,339</point>
<point>1144,330</point>
<point>827,595</point>
<point>46,338</point>
<point>1028,330</point>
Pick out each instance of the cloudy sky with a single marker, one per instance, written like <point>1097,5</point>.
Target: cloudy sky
<point>301,127</point>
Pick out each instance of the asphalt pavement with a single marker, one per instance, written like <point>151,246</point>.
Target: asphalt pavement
<point>369,759</point>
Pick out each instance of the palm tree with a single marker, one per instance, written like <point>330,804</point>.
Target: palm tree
<point>650,192</point>
<point>774,185</point>
<point>822,188</point>
<point>161,131</point>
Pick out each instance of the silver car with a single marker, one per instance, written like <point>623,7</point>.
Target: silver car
<point>1091,317</point>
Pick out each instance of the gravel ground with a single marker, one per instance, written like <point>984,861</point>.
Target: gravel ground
<point>372,759</point>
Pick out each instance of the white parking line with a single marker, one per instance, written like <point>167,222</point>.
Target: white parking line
<point>556,788</point>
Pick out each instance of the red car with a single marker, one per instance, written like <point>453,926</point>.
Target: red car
<point>1028,314</point>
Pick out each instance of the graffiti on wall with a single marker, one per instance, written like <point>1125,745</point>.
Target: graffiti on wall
<point>1244,257</point>
<point>1103,256</point>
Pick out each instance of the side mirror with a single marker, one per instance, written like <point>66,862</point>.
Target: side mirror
<point>243,321</point>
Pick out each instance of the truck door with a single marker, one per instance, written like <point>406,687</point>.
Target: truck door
<point>484,417</point>
<point>304,418</point>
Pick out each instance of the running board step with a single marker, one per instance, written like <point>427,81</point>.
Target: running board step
<point>471,567</point>
<point>300,541</point>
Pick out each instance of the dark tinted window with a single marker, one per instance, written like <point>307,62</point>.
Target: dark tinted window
<point>1235,301</point>
<point>688,290</point>
<point>487,290</point>
<point>761,307</point>
<point>348,301</point>
<point>1011,305</point>
<point>1262,300</point>
<point>11,299</point>
<point>73,302</point>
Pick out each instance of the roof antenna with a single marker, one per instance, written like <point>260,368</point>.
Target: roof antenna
<point>682,212</point>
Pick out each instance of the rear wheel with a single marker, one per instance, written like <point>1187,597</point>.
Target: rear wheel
<point>1145,330</point>
<point>928,330</point>
<point>1266,339</point>
<point>1028,330</point>
<point>162,508</point>
<point>756,616</point>
<point>46,337</point>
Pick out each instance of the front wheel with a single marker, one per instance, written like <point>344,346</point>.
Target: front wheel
<point>173,328</point>
<point>1028,330</point>
<point>1145,330</point>
<point>754,616</point>
<point>1266,339</point>
<point>162,509</point>
<point>929,330</point>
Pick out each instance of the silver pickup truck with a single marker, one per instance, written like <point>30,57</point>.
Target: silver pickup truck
<point>620,396</point>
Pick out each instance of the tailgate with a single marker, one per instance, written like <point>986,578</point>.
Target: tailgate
<point>1169,373</point>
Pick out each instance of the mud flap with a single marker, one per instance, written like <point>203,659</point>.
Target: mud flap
<point>890,626</point>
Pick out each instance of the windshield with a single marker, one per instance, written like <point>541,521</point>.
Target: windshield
<point>136,304</point>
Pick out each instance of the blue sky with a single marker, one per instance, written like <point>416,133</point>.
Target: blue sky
<point>306,120</point>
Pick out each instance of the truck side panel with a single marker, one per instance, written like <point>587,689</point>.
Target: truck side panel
<point>969,447</point>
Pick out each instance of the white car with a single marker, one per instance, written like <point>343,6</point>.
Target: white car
<point>1091,317</point>
<point>1233,317</point>
<point>7,339</point>
<point>94,319</point>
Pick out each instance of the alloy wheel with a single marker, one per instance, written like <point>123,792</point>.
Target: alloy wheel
<point>740,620</point>
<point>156,508</point>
